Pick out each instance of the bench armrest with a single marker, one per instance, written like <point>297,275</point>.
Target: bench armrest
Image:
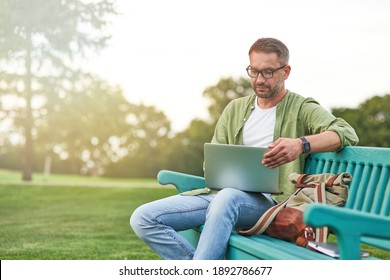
<point>349,226</point>
<point>183,182</point>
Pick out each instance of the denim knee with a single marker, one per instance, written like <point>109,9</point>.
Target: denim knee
<point>227,196</point>
<point>224,202</point>
<point>138,220</point>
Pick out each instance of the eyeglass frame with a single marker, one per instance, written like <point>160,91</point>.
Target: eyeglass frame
<point>261,71</point>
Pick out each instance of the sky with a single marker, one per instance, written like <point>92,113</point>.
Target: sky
<point>166,53</point>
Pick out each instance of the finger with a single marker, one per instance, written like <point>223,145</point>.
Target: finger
<point>275,143</point>
<point>283,156</point>
<point>273,160</point>
<point>277,162</point>
<point>274,149</point>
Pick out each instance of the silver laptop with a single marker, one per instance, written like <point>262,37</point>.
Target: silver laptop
<point>238,166</point>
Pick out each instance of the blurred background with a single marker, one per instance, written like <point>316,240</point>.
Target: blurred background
<point>126,88</point>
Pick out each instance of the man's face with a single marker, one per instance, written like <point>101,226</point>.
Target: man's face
<point>267,88</point>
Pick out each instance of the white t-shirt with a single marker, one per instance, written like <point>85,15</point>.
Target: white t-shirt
<point>259,129</point>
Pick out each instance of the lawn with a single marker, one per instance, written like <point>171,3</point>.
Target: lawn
<point>74,222</point>
<point>77,218</point>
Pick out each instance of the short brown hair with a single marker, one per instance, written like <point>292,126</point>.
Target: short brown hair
<point>271,45</point>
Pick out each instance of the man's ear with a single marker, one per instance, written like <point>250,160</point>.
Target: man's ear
<point>287,71</point>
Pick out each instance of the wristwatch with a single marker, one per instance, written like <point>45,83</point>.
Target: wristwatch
<point>305,145</point>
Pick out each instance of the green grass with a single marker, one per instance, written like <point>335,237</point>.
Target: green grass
<point>61,217</point>
<point>72,223</point>
<point>11,177</point>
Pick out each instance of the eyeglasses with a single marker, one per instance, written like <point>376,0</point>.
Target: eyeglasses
<point>266,73</point>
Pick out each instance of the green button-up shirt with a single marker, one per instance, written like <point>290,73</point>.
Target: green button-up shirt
<point>296,116</point>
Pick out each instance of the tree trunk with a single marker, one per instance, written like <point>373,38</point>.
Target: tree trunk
<point>47,165</point>
<point>28,151</point>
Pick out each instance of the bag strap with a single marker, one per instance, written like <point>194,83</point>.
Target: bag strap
<point>330,182</point>
<point>321,233</point>
<point>320,197</point>
<point>265,220</point>
<point>300,179</point>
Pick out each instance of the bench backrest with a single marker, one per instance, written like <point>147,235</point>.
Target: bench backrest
<point>370,170</point>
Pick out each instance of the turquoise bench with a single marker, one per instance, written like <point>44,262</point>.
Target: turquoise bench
<point>364,219</point>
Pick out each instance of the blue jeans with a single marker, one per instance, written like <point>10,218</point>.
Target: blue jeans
<point>157,223</point>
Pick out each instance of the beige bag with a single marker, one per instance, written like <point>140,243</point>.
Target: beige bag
<point>284,220</point>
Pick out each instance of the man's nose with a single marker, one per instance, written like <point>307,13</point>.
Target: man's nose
<point>260,78</point>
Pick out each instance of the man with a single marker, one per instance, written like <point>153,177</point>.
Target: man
<point>290,125</point>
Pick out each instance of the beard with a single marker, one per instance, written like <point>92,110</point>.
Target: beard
<point>271,92</point>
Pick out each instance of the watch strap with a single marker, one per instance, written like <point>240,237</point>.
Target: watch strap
<point>305,145</point>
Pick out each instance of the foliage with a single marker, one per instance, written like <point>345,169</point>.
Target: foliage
<point>42,43</point>
<point>69,121</point>
<point>145,142</point>
<point>102,129</point>
<point>184,153</point>
<point>223,92</point>
<point>371,120</point>
<point>92,129</point>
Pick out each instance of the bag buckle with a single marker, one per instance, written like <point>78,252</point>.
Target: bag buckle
<point>309,234</point>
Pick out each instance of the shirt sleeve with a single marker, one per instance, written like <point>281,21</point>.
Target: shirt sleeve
<point>221,133</point>
<point>318,119</point>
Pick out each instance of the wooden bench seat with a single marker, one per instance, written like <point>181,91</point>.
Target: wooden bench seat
<point>364,219</point>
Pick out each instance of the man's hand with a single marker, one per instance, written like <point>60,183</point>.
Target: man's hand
<point>283,150</point>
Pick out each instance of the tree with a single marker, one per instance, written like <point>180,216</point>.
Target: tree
<point>42,43</point>
<point>371,120</point>
<point>88,129</point>
<point>184,152</point>
<point>144,143</point>
<point>223,92</point>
